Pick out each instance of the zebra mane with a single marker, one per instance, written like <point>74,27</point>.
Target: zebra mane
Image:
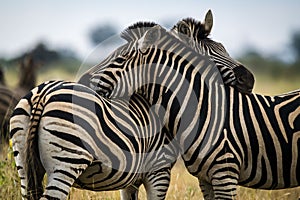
<point>199,29</point>
<point>136,31</point>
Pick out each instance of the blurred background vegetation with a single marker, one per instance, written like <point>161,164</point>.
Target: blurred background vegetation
<point>273,73</point>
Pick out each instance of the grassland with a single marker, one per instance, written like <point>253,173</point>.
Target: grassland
<point>183,185</point>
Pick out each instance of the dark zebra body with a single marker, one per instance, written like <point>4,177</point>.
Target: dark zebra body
<point>8,100</point>
<point>10,97</point>
<point>258,142</point>
<point>83,140</point>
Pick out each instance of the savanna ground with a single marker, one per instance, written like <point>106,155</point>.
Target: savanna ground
<point>183,185</point>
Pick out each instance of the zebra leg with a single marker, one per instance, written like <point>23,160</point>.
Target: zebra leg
<point>29,189</point>
<point>19,155</point>
<point>157,183</point>
<point>130,193</point>
<point>61,178</point>
<point>225,188</point>
<point>219,189</point>
<point>207,190</point>
<point>31,186</point>
<point>63,161</point>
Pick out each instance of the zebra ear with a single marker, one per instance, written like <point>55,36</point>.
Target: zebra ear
<point>149,38</point>
<point>208,22</point>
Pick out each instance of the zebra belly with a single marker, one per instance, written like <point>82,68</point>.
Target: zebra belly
<point>272,166</point>
<point>100,177</point>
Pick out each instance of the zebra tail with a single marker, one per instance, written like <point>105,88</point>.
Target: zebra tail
<point>24,127</point>
<point>34,168</point>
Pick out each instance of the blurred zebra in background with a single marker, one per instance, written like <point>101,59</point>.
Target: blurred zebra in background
<point>80,139</point>
<point>10,97</point>
<point>7,103</point>
<point>28,75</point>
<point>259,140</point>
<point>2,79</point>
<point>195,34</point>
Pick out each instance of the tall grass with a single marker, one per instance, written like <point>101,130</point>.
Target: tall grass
<point>183,186</point>
<point>9,180</point>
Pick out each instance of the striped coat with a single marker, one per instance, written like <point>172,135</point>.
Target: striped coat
<point>257,145</point>
<point>80,139</point>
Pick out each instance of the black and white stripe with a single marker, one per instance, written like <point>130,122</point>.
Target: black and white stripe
<point>259,139</point>
<point>258,147</point>
<point>195,34</point>
<point>80,139</point>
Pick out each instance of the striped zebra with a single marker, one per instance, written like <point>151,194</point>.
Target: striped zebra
<point>80,139</point>
<point>259,140</point>
<point>195,34</point>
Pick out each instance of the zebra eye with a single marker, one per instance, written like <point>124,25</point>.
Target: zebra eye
<point>152,34</point>
<point>241,80</point>
<point>120,60</point>
<point>184,29</point>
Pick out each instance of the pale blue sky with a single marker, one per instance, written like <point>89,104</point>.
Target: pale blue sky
<point>264,25</point>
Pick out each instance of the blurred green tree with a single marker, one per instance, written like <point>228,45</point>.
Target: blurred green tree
<point>101,33</point>
<point>296,44</point>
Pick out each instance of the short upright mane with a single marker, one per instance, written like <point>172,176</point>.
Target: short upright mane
<point>199,31</point>
<point>136,31</point>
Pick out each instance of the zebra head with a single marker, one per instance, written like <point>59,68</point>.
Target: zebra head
<point>195,34</point>
<point>148,45</point>
<point>104,76</point>
<point>172,76</point>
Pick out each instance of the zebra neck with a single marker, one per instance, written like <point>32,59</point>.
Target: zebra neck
<point>187,104</point>
<point>180,83</point>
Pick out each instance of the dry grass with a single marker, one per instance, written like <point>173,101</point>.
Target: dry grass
<point>270,86</point>
<point>183,186</point>
<point>9,180</point>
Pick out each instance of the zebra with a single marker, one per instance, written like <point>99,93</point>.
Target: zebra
<point>10,97</point>
<point>80,139</point>
<point>195,34</point>
<point>8,100</point>
<point>28,74</point>
<point>258,142</point>
<point>2,79</point>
